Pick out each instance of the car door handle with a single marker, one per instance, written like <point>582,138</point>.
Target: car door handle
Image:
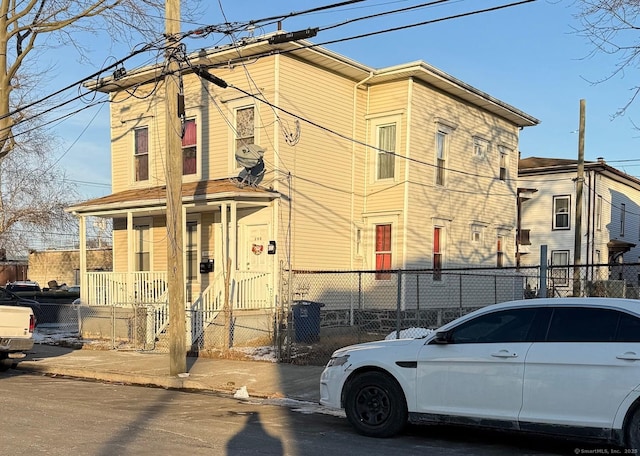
<point>504,354</point>
<point>631,356</point>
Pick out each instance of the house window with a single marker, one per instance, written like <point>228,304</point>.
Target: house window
<point>503,165</point>
<point>437,253</point>
<point>189,148</point>
<point>559,269</point>
<point>599,213</point>
<point>500,252</point>
<point>245,126</point>
<point>141,154</point>
<point>383,252</point>
<point>386,151</point>
<point>142,245</point>
<point>623,213</point>
<point>561,212</point>
<point>480,147</point>
<point>191,265</point>
<point>358,239</point>
<point>441,148</point>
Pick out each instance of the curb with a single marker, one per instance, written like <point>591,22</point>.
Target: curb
<point>175,383</point>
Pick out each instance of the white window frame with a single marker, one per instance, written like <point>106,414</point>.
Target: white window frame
<point>623,217</point>
<point>557,212</point>
<point>382,151</point>
<point>233,108</point>
<point>503,165</point>
<point>441,154</point>
<point>480,147</point>
<point>599,213</point>
<point>142,182</point>
<point>140,222</point>
<point>195,115</point>
<point>375,122</point>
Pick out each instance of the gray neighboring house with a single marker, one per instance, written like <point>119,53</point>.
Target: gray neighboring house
<point>610,222</point>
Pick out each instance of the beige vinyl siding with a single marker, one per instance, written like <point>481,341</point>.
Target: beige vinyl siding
<point>127,114</point>
<point>472,193</point>
<point>386,102</point>
<point>320,165</point>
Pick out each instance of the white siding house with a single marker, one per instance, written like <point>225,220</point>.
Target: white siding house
<point>610,221</point>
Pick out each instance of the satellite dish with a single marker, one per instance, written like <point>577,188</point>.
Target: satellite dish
<point>250,158</point>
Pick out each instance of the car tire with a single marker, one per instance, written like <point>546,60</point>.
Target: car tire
<point>5,364</point>
<point>632,430</point>
<point>375,405</point>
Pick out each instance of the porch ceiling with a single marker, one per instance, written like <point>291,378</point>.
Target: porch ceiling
<point>153,199</point>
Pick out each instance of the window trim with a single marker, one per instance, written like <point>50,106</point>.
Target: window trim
<point>385,254</point>
<point>199,161</point>
<point>142,222</point>
<point>623,217</point>
<point>555,212</point>
<point>136,155</point>
<point>381,152</point>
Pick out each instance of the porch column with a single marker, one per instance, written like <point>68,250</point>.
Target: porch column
<point>84,286</point>
<point>225,234</point>
<point>130,253</point>
<point>233,240</point>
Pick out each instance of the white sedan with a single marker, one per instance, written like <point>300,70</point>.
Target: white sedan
<point>561,366</point>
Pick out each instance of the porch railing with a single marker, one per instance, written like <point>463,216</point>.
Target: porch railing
<point>125,288</point>
<point>249,291</point>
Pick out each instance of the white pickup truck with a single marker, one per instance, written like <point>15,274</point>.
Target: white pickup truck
<point>16,334</point>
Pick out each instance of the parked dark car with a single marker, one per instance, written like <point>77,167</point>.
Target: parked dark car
<point>23,285</point>
<point>8,298</point>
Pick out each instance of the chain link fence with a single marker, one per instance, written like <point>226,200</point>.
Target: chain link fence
<point>322,311</point>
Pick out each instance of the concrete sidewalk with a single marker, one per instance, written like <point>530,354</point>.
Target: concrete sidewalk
<point>260,378</point>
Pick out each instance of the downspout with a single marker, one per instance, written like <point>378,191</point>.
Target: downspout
<point>589,259</point>
<point>353,162</point>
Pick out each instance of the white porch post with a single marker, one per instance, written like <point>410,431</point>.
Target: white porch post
<point>225,234</point>
<point>233,247</point>
<point>84,286</point>
<point>130,253</point>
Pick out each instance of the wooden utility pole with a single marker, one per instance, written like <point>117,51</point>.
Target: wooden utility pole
<point>173,160</point>
<point>577,245</point>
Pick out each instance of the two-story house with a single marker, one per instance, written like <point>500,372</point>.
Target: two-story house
<point>610,224</point>
<point>355,168</point>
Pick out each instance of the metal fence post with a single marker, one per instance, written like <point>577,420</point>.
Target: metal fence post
<point>398,306</point>
<point>542,292</point>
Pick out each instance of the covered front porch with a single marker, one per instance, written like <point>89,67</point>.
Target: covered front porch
<point>227,232</point>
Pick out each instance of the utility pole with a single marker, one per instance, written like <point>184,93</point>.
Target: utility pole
<point>577,246</point>
<point>173,160</point>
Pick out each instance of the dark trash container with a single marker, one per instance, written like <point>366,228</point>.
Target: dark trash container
<point>306,320</point>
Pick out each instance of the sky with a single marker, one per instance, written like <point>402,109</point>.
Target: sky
<point>529,56</point>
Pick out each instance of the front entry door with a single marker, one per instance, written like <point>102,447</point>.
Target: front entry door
<point>255,247</point>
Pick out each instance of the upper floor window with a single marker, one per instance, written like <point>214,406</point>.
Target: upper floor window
<point>189,148</point>
<point>141,154</point>
<point>503,164</point>
<point>623,212</point>
<point>386,151</point>
<point>383,251</point>
<point>245,126</point>
<point>480,147</point>
<point>561,212</point>
<point>599,212</point>
<point>441,152</point>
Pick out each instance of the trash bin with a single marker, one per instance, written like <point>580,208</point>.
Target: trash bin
<point>306,320</point>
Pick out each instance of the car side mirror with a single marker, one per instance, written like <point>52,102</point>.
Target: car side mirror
<point>442,337</point>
